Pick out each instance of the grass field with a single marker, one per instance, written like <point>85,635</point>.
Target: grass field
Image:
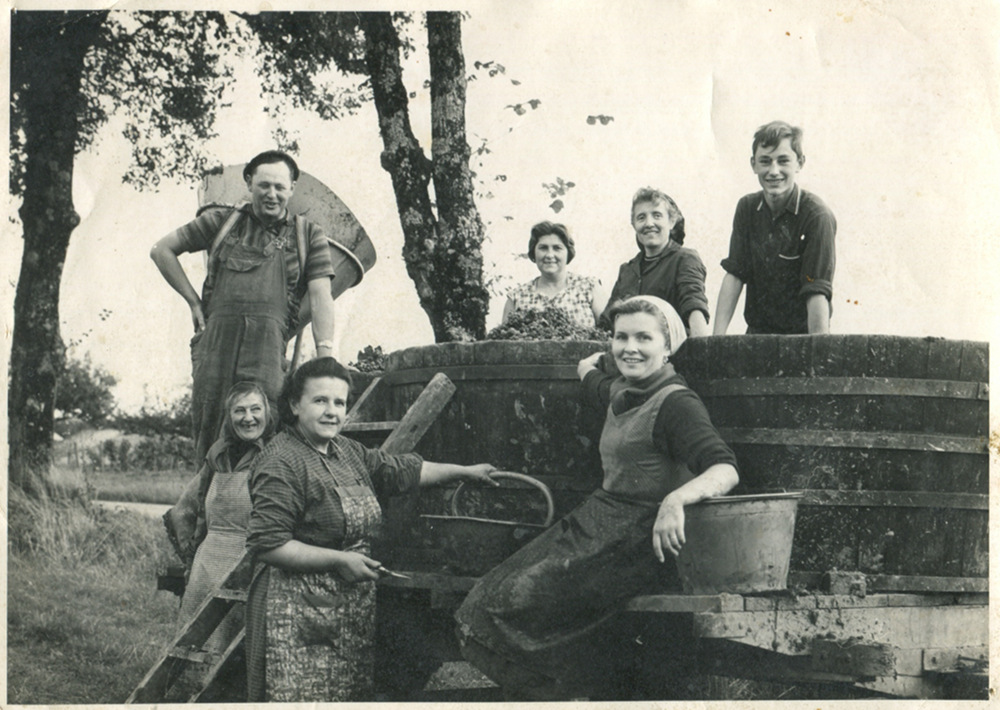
<point>84,619</point>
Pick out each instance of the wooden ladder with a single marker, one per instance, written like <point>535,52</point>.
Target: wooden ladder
<point>185,651</point>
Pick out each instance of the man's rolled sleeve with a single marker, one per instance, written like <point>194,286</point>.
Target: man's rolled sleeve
<point>819,257</point>
<point>198,234</point>
<point>278,501</point>
<point>319,260</point>
<point>738,261</point>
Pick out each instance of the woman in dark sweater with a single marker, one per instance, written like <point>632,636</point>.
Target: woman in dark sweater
<point>536,624</point>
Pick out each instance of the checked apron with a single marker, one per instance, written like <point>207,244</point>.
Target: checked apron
<point>245,335</point>
<point>321,630</point>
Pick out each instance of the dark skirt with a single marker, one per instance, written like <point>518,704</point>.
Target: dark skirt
<point>540,618</point>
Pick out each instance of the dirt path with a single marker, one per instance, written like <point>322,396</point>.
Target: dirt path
<point>153,510</point>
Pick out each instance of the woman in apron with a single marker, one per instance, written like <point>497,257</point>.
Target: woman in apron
<point>315,497</point>
<point>537,623</point>
<point>219,525</point>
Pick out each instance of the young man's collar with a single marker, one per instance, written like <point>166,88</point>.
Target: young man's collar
<point>791,205</point>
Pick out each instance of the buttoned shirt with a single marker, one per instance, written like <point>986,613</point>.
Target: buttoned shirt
<point>677,275</point>
<point>782,258</point>
<point>293,487</point>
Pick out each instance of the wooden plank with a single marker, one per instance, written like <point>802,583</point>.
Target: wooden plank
<point>473,373</point>
<point>842,386</point>
<point>855,439</point>
<point>899,583</point>
<point>420,415</point>
<point>791,631</point>
<point>681,603</point>
<point>964,659</point>
<point>192,655</point>
<point>362,401</point>
<point>434,581</point>
<point>237,595</point>
<point>222,666</point>
<point>853,658</point>
<point>895,499</point>
<point>369,426</point>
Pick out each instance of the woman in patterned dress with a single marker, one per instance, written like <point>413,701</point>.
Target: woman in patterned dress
<point>316,506</point>
<point>583,298</point>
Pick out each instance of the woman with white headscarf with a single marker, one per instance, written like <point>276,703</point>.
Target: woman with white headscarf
<point>536,624</point>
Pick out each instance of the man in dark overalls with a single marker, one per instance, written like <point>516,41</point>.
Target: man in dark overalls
<point>255,284</point>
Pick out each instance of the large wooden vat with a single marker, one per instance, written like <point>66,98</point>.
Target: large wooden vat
<point>886,435</point>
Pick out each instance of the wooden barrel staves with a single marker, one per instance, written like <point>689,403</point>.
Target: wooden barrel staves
<point>517,405</point>
<point>887,437</point>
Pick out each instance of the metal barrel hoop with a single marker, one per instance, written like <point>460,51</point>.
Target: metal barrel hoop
<point>550,511</point>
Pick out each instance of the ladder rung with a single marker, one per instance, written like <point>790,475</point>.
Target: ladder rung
<point>370,426</point>
<point>235,595</point>
<point>189,654</point>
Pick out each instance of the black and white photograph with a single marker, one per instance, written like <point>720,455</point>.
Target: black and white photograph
<point>579,352</point>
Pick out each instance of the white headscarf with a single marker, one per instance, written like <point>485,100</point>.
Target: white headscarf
<point>675,326</point>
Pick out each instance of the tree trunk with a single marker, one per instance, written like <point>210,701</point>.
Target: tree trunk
<point>459,258</point>
<point>442,253</point>
<point>51,48</point>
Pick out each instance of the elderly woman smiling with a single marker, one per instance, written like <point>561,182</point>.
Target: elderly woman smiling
<point>219,518</point>
<point>311,612</point>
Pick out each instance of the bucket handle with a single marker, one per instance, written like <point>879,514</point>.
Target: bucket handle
<point>550,506</point>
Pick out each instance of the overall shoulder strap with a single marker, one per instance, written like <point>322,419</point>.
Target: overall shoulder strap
<point>303,247</point>
<point>224,230</point>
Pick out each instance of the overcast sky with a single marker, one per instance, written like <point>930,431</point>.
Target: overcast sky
<point>898,101</point>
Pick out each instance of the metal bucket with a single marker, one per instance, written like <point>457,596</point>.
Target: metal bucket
<point>473,546</point>
<point>738,544</point>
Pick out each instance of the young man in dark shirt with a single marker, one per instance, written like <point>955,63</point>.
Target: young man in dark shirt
<point>782,245</point>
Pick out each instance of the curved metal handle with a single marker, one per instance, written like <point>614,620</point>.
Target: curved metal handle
<point>551,508</point>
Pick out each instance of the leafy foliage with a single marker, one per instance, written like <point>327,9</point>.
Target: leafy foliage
<point>172,419</point>
<point>299,55</point>
<point>84,390</point>
<point>163,72</point>
<point>551,323</point>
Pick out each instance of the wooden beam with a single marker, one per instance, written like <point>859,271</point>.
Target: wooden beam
<point>840,386</point>
<point>420,415</point>
<point>856,439</point>
<point>465,373</point>
<point>897,583</point>
<point>369,426</point>
<point>684,603</point>
<point>852,657</point>
<point>895,499</point>
<point>363,400</point>
<point>791,631</point>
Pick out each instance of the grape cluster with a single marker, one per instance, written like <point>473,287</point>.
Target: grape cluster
<point>551,323</point>
<point>370,359</point>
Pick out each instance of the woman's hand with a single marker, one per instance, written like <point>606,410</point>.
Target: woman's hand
<point>587,364</point>
<point>480,473</point>
<point>668,530</point>
<point>355,567</point>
